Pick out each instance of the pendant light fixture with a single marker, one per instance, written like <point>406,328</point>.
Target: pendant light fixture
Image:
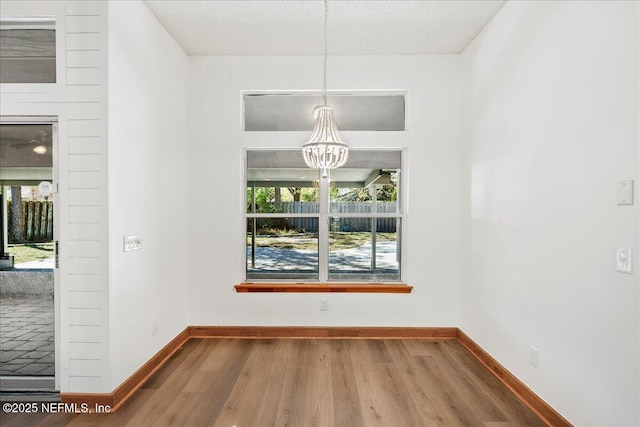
<point>325,150</point>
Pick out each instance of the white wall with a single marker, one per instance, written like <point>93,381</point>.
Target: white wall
<point>551,121</point>
<point>216,199</point>
<point>148,138</point>
<point>78,100</point>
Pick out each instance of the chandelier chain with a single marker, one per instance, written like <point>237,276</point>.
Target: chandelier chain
<point>324,149</point>
<point>324,80</point>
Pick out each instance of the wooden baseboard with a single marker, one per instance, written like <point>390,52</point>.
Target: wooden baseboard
<point>362,288</point>
<point>539,407</point>
<point>92,400</point>
<point>120,395</point>
<point>265,332</point>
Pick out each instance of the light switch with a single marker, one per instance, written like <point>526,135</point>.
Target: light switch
<point>625,192</point>
<point>623,260</point>
<point>132,242</point>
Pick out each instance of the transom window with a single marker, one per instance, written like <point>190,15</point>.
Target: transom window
<point>353,111</point>
<point>343,228</point>
<point>27,49</point>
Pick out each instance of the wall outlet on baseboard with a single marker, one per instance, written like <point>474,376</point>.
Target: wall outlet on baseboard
<point>155,326</point>
<point>324,304</point>
<point>534,357</point>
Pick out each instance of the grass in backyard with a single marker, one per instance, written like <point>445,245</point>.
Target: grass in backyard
<point>303,241</point>
<point>309,241</point>
<point>30,251</point>
<point>338,241</point>
<point>349,240</point>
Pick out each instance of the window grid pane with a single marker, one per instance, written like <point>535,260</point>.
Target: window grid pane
<point>280,247</point>
<point>364,248</point>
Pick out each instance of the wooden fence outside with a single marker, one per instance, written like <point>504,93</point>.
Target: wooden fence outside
<point>37,221</point>
<point>383,225</point>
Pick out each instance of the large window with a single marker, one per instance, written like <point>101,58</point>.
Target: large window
<point>344,228</point>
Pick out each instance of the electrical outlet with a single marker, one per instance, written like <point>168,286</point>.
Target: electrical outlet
<point>132,242</point>
<point>155,326</point>
<point>534,357</point>
<point>324,304</point>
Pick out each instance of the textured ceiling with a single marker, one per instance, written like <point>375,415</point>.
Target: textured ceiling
<point>292,27</point>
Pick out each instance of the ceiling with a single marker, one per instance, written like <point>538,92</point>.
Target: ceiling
<point>294,27</point>
<point>25,153</point>
<point>286,168</point>
<point>27,145</point>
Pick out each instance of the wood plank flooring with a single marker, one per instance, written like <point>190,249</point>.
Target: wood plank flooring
<point>304,382</point>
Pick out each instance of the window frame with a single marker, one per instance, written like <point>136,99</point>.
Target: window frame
<point>306,100</point>
<point>57,12</point>
<point>324,216</point>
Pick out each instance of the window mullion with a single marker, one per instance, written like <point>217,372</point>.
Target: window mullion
<point>323,231</point>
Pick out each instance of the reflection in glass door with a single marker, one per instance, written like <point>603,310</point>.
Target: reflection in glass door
<point>27,259</point>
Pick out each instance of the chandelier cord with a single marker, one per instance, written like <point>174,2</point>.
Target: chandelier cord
<point>324,80</point>
<point>324,149</point>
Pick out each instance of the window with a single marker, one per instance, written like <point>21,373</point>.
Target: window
<point>346,228</point>
<point>353,111</point>
<point>27,49</point>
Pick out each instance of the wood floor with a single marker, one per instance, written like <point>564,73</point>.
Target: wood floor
<point>303,382</point>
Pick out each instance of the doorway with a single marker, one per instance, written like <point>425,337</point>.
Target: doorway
<point>28,270</point>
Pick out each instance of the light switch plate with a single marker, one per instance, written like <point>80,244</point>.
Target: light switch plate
<point>132,242</point>
<point>625,192</point>
<point>623,260</point>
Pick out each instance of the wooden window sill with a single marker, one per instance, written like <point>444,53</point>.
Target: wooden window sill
<point>384,288</point>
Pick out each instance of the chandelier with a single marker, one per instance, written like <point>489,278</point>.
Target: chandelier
<point>325,150</point>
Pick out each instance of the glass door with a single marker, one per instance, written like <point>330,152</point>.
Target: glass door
<point>27,256</point>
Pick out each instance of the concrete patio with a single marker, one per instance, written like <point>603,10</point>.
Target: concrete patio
<point>26,336</point>
<point>27,320</point>
<point>354,260</point>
